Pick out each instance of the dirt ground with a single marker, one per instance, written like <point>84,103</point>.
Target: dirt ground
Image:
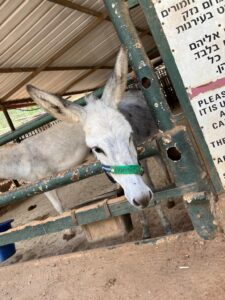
<point>177,267</point>
<point>48,267</point>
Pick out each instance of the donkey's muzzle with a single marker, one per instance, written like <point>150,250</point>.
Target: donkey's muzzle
<point>143,202</point>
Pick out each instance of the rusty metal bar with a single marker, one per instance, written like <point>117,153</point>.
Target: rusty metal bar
<point>64,178</point>
<point>149,83</point>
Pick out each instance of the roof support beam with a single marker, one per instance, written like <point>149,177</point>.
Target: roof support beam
<point>51,69</point>
<point>22,105</point>
<point>86,10</point>
<point>93,24</point>
<point>77,7</point>
<point>86,74</point>
<point>77,38</point>
<point>19,103</point>
<point>24,102</point>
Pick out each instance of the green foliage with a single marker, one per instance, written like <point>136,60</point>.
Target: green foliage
<point>19,117</point>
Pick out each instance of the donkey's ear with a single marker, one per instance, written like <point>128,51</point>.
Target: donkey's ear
<point>58,107</point>
<point>117,83</point>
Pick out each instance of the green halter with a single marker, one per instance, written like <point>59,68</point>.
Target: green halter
<point>124,170</point>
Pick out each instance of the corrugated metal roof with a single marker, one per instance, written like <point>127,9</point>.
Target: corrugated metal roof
<point>31,32</point>
<point>37,30</point>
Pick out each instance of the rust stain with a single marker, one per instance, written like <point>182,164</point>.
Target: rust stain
<point>75,176</point>
<point>140,150</point>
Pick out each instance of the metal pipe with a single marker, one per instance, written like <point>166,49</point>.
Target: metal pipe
<point>119,14</point>
<point>64,178</point>
<point>133,3</point>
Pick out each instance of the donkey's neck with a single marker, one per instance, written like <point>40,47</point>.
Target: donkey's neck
<point>56,149</point>
<point>11,157</point>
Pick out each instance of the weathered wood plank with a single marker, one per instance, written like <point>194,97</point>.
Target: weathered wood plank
<point>86,215</point>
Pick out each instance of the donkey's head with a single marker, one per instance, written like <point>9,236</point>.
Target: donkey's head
<point>107,131</point>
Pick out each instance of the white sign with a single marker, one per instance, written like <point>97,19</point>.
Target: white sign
<point>210,112</point>
<point>195,30</point>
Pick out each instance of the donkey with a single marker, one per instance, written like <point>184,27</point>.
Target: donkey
<point>99,126</point>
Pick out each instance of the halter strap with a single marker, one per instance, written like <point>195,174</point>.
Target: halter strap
<point>124,169</point>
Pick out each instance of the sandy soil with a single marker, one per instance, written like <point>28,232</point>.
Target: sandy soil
<point>177,267</point>
<point>38,208</point>
<point>48,267</point>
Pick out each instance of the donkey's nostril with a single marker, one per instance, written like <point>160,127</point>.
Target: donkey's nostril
<point>144,202</point>
<point>135,202</point>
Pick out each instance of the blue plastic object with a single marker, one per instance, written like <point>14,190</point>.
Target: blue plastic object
<point>7,250</point>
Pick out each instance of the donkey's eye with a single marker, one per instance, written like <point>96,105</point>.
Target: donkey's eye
<point>98,150</point>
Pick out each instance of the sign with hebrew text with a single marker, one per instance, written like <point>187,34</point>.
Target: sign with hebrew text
<point>195,30</point>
